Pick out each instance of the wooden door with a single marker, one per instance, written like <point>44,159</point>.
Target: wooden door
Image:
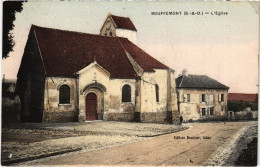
<point>91,107</point>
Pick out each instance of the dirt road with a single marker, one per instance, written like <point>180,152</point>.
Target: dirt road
<point>27,141</point>
<point>171,149</point>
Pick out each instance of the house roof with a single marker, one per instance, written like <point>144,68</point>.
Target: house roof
<point>65,52</point>
<point>123,22</point>
<point>243,97</point>
<point>198,81</point>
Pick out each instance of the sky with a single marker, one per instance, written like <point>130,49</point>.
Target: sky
<point>224,47</point>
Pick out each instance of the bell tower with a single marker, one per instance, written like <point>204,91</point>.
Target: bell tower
<point>120,27</point>
<point>108,28</point>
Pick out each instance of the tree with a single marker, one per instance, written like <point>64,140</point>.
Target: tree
<point>10,8</point>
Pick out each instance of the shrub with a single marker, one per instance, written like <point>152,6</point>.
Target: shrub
<point>190,120</point>
<point>240,106</point>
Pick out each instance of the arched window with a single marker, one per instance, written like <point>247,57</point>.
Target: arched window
<point>64,94</point>
<point>126,93</point>
<point>157,92</point>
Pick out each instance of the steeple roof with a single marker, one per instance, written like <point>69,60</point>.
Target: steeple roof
<point>123,22</point>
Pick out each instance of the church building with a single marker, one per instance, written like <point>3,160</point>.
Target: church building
<point>68,76</point>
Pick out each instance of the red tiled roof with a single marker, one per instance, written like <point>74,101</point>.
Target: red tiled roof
<point>147,62</point>
<point>64,53</point>
<point>123,22</point>
<point>243,97</point>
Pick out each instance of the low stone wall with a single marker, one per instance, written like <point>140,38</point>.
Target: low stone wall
<point>156,117</point>
<point>208,118</point>
<point>213,118</point>
<point>72,116</point>
<point>255,114</point>
<point>243,115</point>
<point>246,115</point>
<point>119,116</point>
<point>57,116</point>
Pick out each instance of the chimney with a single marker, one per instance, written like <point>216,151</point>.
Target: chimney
<point>184,72</point>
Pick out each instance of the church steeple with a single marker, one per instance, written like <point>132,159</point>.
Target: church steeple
<point>119,26</point>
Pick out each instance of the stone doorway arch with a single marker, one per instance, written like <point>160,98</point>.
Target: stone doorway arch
<point>99,90</point>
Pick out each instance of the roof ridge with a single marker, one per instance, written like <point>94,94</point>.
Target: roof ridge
<point>206,77</point>
<point>123,22</point>
<point>198,75</point>
<point>76,32</point>
<point>121,44</point>
<point>148,54</point>
<point>61,30</point>
<point>39,48</point>
<point>126,54</point>
<point>119,16</point>
<point>181,80</point>
<point>200,81</point>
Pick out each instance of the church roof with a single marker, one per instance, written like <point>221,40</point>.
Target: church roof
<point>199,82</point>
<point>123,22</point>
<point>65,52</point>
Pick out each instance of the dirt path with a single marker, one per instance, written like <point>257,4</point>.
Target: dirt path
<point>28,141</point>
<point>162,150</point>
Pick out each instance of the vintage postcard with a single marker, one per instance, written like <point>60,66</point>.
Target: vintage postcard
<point>130,83</point>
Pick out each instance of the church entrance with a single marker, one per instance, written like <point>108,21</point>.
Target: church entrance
<point>91,107</point>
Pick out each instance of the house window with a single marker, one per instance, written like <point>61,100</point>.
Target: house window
<point>222,108</point>
<point>222,97</point>
<point>211,111</point>
<point>126,93</point>
<point>188,97</point>
<point>203,98</point>
<point>64,94</point>
<point>203,111</point>
<point>157,92</point>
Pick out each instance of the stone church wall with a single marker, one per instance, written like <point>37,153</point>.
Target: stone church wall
<point>173,106</point>
<point>110,105</point>
<point>118,110</point>
<point>30,82</point>
<point>161,111</point>
<point>109,97</point>
<point>93,75</point>
<point>53,111</point>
